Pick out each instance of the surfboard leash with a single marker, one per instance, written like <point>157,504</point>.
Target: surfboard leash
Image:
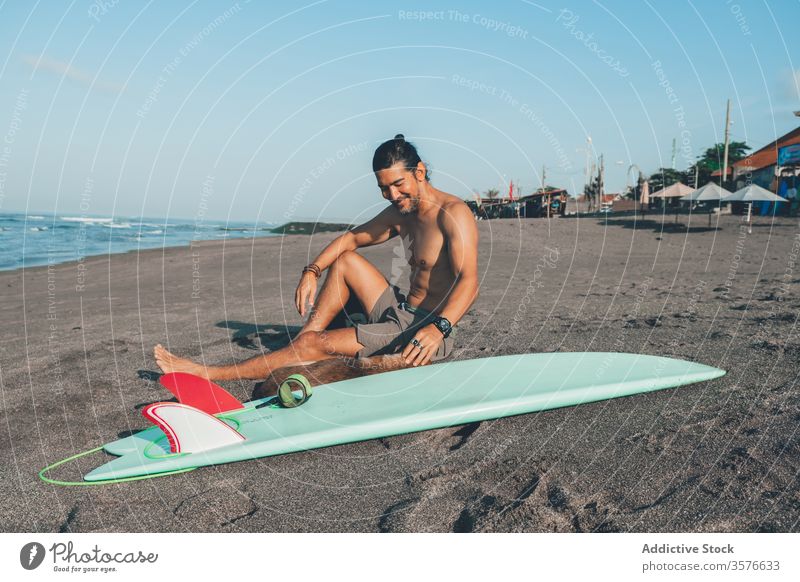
<point>46,479</point>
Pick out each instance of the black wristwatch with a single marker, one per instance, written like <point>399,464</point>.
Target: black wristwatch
<point>443,325</point>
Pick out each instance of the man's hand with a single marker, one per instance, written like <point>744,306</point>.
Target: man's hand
<point>306,292</point>
<point>422,348</point>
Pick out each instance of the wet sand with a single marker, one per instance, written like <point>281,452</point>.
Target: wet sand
<point>76,367</point>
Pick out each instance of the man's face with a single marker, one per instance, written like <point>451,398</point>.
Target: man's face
<point>400,186</point>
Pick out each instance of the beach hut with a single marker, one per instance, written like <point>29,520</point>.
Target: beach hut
<point>711,192</point>
<point>752,193</point>
<point>543,204</point>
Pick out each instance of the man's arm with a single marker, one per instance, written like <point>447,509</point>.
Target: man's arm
<point>461,235</point>
<point>378,230</point>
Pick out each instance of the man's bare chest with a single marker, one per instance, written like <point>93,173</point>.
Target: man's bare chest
<point>425,246</point>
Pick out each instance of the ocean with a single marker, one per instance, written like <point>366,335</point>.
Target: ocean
<point>29,240</point>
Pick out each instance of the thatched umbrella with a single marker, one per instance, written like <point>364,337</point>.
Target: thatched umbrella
<point>677,190</point>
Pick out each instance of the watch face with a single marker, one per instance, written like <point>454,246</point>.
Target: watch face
<point>443,325</point>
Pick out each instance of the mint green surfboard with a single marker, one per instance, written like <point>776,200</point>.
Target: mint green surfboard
<point>411,400</point>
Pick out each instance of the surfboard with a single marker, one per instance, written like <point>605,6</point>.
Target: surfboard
<point>392,403</point>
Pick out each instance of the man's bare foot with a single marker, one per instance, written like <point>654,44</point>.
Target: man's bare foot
<point>169,362</point>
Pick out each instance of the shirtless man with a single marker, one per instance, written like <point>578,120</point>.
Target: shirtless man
<point>443,239</point>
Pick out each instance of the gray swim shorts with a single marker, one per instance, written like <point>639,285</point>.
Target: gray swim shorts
<point>390,326</point>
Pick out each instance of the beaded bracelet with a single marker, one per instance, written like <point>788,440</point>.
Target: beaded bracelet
<point>313,268</point>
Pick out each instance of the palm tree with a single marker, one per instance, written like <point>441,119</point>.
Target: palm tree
<point>713,159</point>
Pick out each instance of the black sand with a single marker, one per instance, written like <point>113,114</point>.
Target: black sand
<point>76,366</point>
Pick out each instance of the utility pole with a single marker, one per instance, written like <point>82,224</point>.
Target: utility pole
<point>544,175</point>
<point>727,140</point>
<point>601,182</point>
<point>589,171</point>
<point>674,151</point>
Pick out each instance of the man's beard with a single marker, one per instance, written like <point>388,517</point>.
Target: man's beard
<point>413,206</point>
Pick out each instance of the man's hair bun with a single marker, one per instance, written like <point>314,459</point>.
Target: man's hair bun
<point>397,150</point>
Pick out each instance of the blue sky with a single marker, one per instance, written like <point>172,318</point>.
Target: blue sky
<point>271,111</point>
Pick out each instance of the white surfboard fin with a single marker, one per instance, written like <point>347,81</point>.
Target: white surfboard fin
<point>190,430</point>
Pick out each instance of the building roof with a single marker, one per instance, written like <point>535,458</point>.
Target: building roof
<point>538,193</point>
<point>768,155</point>
<point>490,201</point>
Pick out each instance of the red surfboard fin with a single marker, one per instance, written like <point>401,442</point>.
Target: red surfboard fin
<point>200,393</point>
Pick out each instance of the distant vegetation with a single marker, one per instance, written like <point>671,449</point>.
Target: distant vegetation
<point>310,227</point>
<point>711,161</point>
